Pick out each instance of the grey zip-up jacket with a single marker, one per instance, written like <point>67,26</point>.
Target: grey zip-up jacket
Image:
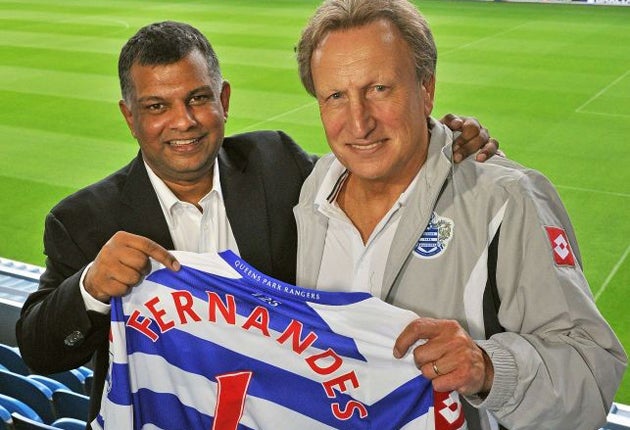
<point>557,362</point>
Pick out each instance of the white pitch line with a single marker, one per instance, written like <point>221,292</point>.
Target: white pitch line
<point>590,190</point>
<point>590,112</point>
<point>603,90</point>
<point>612,274</point>
<point>273,118</point>
<point>483,39</point>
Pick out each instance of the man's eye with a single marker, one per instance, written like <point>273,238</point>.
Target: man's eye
<point>380,88</point>
<point>199,99</point>
<point>335,96</point>
<point>155,107</point>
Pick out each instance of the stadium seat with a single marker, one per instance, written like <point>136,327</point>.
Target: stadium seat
<point>85,370</point>
<point>33,393</point>
<point>69,424</point>
<point>69,404</point>
<point>618,417</point>
<point>11,359</point>
<point>89,379</point>
<point>14,405</point>
<point>5,419</point>
<point>52,384</point>
<point>74,379</point>
<point>20,422</point>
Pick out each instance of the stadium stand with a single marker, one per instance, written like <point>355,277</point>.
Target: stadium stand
<point>74,379</point>
<point>69,424</point>
<point>21,422</point>
<point>29,391</point>
<point>13,405</point>
<point>52,384</point>
<point>11,360</point>
<point>70,409</point>
<point>69,404</point>
<point>5,419</point>
<point>17,281</point>
<point>88,384</point>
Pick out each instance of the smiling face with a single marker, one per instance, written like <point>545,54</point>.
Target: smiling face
<point>177,116</point>
<point>373,108</point>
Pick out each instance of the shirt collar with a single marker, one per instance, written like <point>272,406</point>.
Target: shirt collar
<point>337,175</point>
<point>168,199</point>
<point>332,183</point>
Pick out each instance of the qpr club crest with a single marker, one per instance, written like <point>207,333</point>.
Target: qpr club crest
<point>434,238</point>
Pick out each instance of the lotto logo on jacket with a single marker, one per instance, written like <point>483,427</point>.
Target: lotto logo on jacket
<point>562,254</point>
<point>219,345</point>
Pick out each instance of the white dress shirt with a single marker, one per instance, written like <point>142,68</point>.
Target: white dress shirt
<point>347,263</point>
<point>191,229</point>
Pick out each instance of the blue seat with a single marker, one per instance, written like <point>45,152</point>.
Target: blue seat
<point>14,405</point>
<point>86,371</point>
<point>89,380</point>
<point>52,384</point>
<point>69,424</point>
<point>11,359</point>
<point>73,379</point>
<point>89,377</point>
<point>33,393</point>
<point>22,423</point>
<point>5,419</point>
<point>70,404</point>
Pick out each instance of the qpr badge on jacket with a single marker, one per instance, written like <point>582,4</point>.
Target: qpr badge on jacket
<point>435,238</point>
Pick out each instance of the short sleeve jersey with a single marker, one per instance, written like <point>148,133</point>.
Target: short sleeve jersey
<point>219,345</point>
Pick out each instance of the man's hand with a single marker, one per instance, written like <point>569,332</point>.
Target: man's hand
<point>473,138</point>
<point>122,263</point>
<point>449,357</point>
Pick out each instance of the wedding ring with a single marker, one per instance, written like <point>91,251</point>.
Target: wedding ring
<point>436,370</point>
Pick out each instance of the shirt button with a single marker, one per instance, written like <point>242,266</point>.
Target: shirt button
<point>74,338</point>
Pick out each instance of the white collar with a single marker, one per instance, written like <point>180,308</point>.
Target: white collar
<point>337,175</point>
<point>168,199</point>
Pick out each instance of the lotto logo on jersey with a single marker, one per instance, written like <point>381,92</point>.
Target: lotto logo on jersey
<point>448,411</point>
<point>562,254</point>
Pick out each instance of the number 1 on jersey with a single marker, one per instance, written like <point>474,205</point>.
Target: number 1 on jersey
<point>231,392</point>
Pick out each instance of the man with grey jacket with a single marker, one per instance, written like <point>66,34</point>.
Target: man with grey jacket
<point>485,253</point>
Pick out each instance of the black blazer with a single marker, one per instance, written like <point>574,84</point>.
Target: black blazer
<point>261,177</point>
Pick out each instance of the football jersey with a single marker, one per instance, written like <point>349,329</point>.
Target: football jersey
<point>219,345</point>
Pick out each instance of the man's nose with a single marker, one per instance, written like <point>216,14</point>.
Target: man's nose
<point>183,117</point>
<point>361,119</point>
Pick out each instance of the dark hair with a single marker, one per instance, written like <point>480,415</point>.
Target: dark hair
<point>164,43</point>
<point>335,15</point>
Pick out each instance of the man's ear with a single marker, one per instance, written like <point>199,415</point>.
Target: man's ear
<point>428,93</point>
<point>225,98</point>
<point>128,115</point>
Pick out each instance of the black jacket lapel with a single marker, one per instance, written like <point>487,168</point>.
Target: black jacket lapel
<point>141,211</point>
<point>245,203</point>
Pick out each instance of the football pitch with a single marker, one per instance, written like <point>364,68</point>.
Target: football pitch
<point>551,83</point>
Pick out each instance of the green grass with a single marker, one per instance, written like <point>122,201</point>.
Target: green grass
<point>551,82</point>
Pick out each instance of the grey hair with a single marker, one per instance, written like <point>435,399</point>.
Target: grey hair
<point>335,15</point>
